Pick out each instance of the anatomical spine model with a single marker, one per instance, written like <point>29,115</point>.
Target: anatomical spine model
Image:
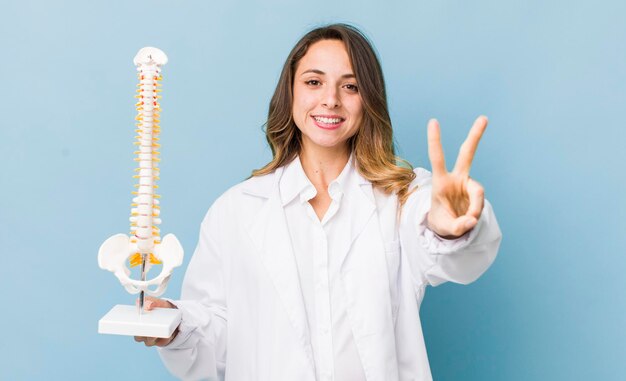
<point>144,245</point>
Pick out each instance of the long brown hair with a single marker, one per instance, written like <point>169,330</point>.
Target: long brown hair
<point>372,145</point>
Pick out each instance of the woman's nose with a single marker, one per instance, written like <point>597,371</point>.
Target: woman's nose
<point>331,98</point>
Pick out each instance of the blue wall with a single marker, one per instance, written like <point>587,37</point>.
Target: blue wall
<point>551,76</point>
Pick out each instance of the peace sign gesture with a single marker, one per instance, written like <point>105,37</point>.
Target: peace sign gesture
<point>457,200</point>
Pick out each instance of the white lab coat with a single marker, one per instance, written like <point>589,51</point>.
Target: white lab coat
<point>243,312</point>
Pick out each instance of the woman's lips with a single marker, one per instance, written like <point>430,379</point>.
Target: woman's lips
<point>327,126</point>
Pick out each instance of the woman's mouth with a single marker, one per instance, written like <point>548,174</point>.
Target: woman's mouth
<point>328,122</point>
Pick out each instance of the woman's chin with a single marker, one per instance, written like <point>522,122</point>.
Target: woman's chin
<point>326,142</point>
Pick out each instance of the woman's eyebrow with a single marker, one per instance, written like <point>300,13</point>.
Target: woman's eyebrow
<point>317,71</point>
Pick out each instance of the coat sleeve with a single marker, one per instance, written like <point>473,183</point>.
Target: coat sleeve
<point>434,260</point>
<point>199,350</point>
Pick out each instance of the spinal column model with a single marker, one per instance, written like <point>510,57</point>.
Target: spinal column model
<point>144,246</point>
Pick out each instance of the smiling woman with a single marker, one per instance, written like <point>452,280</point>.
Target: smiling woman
<point>353,66</point>
<point>315,267</point>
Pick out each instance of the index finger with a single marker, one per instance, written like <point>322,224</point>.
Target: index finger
<point>468,148</point>
<point>435,151</point>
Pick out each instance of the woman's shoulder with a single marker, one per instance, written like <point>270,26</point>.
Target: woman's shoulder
<point>422,176</point>
<point>259,186</point>
<point>255,186</point>
<point>242,198</point>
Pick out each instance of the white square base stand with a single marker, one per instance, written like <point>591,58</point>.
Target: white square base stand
<point>126,320</point>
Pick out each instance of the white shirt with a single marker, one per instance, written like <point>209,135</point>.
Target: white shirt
<point>315,245</point>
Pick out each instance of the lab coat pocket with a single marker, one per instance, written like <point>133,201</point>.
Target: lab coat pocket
<point>392,255</point>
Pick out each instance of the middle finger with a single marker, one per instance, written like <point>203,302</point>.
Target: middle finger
<point>468,148</point>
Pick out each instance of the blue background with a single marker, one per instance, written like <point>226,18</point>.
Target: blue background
<point>551,76</point>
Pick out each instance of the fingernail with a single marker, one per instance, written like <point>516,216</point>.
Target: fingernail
<point>148,305</point>
<point>470,224</point>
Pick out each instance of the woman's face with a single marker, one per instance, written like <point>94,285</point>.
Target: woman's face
<point>327,106</point>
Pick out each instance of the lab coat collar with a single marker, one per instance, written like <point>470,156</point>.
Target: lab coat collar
<point>294,182</point>
<point>262,186</point>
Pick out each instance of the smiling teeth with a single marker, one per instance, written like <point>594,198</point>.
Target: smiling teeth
<point>327,120</point>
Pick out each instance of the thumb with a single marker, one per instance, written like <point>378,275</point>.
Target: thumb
<point>152,303</point>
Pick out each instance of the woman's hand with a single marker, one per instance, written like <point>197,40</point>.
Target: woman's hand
<point>457,200</point>
<point>150,304</point>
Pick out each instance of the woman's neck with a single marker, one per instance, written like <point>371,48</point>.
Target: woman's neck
<point>322,166</point>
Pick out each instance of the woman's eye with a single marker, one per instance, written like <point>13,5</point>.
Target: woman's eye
<point>352,87</point>
<point>313,82</point>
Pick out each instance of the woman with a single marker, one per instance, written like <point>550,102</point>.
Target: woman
<point>315,267</point>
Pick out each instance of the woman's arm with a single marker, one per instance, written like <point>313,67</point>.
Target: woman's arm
<point>457,232</point>
<point>433,259</point>
<point>199,349</point>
